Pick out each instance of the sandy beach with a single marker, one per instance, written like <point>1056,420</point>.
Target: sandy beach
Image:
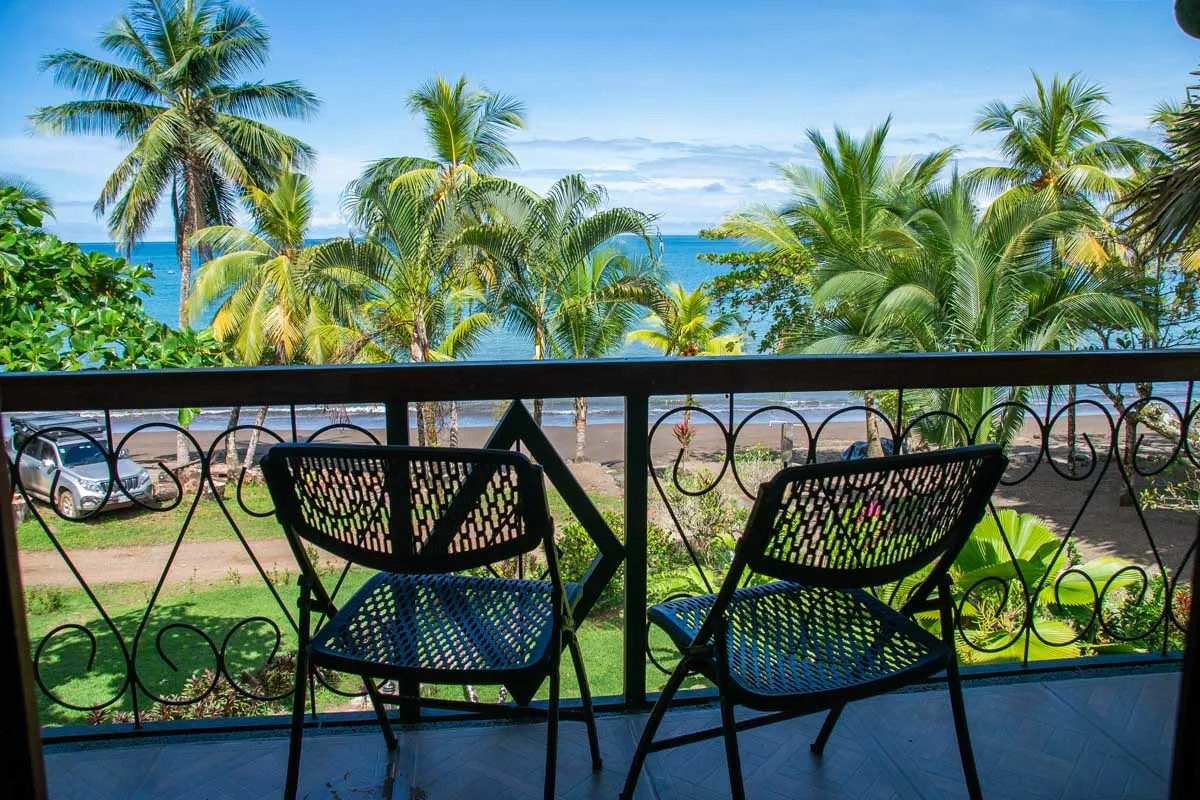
<point>1090,504</point>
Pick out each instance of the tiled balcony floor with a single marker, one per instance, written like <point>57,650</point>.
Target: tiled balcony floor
<point>1093,738</point>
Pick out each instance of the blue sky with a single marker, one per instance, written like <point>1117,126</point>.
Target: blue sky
<point>680,108</point>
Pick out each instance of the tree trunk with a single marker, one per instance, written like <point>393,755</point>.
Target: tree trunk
<point>539,353</point>
<point>874,447</point>
<point>186,224</point>
<point>426,412</point>
<point>1071,430</point>
<point>453,423</point>
<point>260,419</point>
<point>581,410</point>
<point>231,448</point>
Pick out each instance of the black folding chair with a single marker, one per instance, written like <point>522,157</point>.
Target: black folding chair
<point>423,517</point>
<point>815,639</point>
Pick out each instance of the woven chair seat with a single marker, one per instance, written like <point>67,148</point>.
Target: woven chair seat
<point>785,639</point>
<point>441,628</point>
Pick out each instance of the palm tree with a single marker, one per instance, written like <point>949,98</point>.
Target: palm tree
<point>685,324</point>
<point>1164,209</point>
<point>466,128</point>
<point>542,242</point>
<point>196,132</point>
<point>269,291</point>
<point>1057,144</point>
<point>424,299</point>
<point>845,213</point>
<point>975,283</point>
<point>600,300</point>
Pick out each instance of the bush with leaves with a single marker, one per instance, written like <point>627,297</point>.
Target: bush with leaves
<point>576,551</point>
<point>64,309</point>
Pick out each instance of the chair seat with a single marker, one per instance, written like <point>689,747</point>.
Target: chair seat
<point>786,639</point>
<point>441,628</point>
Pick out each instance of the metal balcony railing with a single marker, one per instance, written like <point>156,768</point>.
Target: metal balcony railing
<point>698,434</point>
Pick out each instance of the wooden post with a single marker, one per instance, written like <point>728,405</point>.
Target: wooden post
<point>24,773</point>
<point>637,461</point>
<point>1185,763</point>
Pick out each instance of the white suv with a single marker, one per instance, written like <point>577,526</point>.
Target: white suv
<point>61,465</point>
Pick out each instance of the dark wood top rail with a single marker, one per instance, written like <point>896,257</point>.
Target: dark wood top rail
<point>591,378</point>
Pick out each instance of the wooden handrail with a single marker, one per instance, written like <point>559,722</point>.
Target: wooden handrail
<point>53,391</point>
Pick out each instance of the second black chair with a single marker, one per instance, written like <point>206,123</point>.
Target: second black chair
<point>815,639</point>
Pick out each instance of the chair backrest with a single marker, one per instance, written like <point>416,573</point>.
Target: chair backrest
<point>410,509</point>
<point>873,521</point>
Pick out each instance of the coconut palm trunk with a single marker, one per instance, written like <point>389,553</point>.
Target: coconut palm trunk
<point>539,353</point>
<point>581,412</point>
<point>874,446</point>
<point>231,448</point>
<point>427,411</point>
<point>260,419</point>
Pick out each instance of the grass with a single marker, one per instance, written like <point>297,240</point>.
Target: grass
<point>136,526</point>
<point>216,609</point>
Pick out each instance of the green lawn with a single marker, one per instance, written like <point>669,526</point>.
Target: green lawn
<point>216,609</point>
<point>137,526</point>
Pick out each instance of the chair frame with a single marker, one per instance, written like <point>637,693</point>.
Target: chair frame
<point>314,597</point>
<point>705,655</point>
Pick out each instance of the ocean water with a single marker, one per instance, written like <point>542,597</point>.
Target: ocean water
<point>681,262</point>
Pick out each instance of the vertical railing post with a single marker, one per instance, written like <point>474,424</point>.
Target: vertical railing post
<point>22,761</point>
<point>637,463</point>
<point>396,430</point>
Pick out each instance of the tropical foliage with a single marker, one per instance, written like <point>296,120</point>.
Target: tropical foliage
<point>195,129</point>
<point>64,309</point>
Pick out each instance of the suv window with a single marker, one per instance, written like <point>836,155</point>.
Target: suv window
<point>80,453</point>
<point>39,450</point>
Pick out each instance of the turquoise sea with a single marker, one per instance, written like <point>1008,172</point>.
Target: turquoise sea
<point>680,259</point>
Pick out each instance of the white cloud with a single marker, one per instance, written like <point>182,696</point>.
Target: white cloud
<point>688,184</point>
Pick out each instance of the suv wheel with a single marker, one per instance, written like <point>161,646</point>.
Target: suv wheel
<point>66,504</point>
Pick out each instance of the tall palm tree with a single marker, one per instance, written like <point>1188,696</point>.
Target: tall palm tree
<point>1165,208</point>
<point>844,213</point>
<point>268,290</point>
<point>197,132</point>
<point>424,299</point>
<point>466,128</point>
<point>601,300</point>
<point>1057,143</point>
<point>543,241</point>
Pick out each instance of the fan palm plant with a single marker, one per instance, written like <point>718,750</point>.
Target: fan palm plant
<point>196,133</point>
<point>601,300</point>
<point>266,288</point>
<point>542,242</point>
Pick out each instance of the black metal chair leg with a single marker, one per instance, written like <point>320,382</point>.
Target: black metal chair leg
<point>389,735</point>
<point>552,720</point>
<point>960,729</point>
<point>818,745</point>
<point>585,696</point>
<point>736,790</point>
<point>297,737</point>
<point>954,682</point>
<point>652,722</point>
